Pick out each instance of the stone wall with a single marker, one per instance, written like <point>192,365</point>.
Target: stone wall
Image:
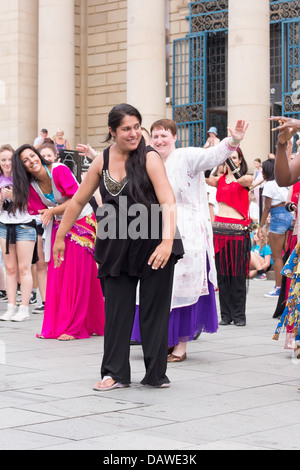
<point>101,61</point>
<point>100,65</point>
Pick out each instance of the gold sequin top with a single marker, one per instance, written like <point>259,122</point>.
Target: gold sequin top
<point>113,187</point>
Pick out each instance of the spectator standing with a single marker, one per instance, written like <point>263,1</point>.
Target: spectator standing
<point>60,142</point>
<point>280,222</point>
<point>212,139</point>
<point>18,238</point>
<point>41,138</point>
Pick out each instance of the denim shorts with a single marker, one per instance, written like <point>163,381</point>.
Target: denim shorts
<point>281,220</point>
<point>23,232</point>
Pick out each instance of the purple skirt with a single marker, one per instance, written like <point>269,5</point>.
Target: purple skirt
<point>187,322</point>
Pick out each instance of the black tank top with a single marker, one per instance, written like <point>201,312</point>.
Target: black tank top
<point>127,235</point>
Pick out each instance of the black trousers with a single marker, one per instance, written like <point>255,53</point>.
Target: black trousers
<point>154,310</point>
<point>232,284</point>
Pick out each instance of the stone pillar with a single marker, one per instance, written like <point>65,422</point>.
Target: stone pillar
<point>19,71</point>
<point>56,107</point>
<point>146,58</point>
<point>249,74</point>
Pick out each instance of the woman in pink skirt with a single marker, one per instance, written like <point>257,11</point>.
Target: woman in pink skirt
<point>74,306</point>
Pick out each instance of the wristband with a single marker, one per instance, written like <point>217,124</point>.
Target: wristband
<point>234,140</point>
<point>228,145</point>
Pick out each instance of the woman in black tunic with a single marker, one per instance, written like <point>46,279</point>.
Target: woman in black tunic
<point>137,243</point>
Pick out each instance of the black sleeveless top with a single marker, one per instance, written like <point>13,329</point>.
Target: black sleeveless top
<point>127,234</point>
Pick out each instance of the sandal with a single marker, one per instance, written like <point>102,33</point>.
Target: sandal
<point>173,358</point>
<point>100,386</point>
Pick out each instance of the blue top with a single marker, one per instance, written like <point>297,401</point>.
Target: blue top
<point>266,250</point>
<point>51,195</point>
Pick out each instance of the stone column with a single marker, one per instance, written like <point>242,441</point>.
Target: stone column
<point>249,74</point>
<point>19,76</point>
<point>56,107</point>
<point>146,58</point>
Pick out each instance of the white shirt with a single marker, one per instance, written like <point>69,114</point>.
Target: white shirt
<point>275,192</point>
<point>18,218</point>
<point>37,141</point>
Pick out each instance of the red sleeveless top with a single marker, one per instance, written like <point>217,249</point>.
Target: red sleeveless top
<point>234,195</point>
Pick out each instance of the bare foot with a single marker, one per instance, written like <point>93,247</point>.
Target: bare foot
<point>66,338</point>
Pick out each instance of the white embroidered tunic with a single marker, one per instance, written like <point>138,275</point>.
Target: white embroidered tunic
<point>185,169</point>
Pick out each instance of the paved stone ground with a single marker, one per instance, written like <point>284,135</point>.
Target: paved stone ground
<point>237,390</point>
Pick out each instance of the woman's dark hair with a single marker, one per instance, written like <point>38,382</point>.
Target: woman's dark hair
<point>139,184</point>
<point>243,164</point>
<point>268,169</point>
<point>22,178</point>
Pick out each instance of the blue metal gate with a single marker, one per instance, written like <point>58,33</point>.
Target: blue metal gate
<point>189,89</point>
<point>291,68</point>
<point>190,68</point>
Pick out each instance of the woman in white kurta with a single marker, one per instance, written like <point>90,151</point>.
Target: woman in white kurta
<point>193,305</point>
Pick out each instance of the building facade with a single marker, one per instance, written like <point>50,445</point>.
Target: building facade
<point>66,63</point>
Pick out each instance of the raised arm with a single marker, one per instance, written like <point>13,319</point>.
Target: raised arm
<point>200,159</point>
<point>287,172</point>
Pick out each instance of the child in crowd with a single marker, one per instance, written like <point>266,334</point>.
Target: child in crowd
<point>261,256</point>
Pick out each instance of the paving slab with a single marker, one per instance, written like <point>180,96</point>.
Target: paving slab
<point>237,390</point>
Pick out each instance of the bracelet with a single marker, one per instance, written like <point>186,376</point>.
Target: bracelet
<point>235,141</point>
<point>229,147</point>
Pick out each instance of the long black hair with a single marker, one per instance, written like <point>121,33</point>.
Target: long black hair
<point>22,178</point>
<point>268,169</point>
<point>139,185</point>
<point>243,164</point>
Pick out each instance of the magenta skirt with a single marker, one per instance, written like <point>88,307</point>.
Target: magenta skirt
<point>187,322</point>
<point>74,303</point>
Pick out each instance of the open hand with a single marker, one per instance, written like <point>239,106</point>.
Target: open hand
<point>287,127</point>
<point>286,123</point>
<point>86,151</point>
<point>240,130</point>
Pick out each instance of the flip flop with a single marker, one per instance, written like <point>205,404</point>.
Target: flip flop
<point>101,388</point>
